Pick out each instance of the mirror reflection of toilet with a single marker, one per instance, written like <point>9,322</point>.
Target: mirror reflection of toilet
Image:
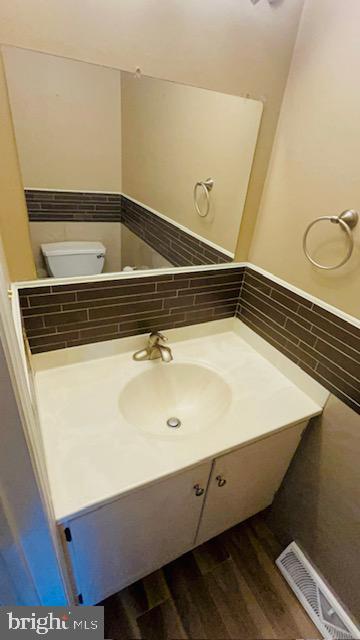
<point>66,259</point>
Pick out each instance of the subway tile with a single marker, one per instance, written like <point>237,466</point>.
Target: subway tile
<point>284,300</point>
<point>342,383</point>
<point>323,345</point>
<point>222,293</point>
<point>348,364</point>
<point>54,338</point>
<point>104,207</point>
<point>124,309</point>
<point>55,217</point>
<point>50,299</point>
<point>33,194</point>
<point>281,346</point>
<point>340,322</point>
<point>24,302</point>
<point>302,352</point>
<point>49,347</point>
<point>213,279</point>
<point>176,245</point>
<point>331,339</point>
<point>217,304</point>
<point>109,284</point>
<point>334,363</point>
<point>90,207</point>
<point>275,285</point>
<point>28,291</point>
<point>86,324</point>
<point>203,291</point>
<point>268,309</point>
<point>187,252</point>
<point>59,205</point>
<point>198,315</point>
<point>156,323</point>
<point>267,325</point>
<point>130,289</point>
<point>43,331</point>
<point>33,322</point>
<point>210,307</point>
<point>297,330</point>
<point>82,341</point>
<point>111,302</point>
<point>173,285</point>
<point>330,363</point>
<point>178,301</point>
<point>99,331</point>
<point>258,285</point>
<point>274,310</point>
<point>40,311</point>
<point>65,317</point>
<point>332,388</point>
<point>224,312</point>
<point>330,326</point>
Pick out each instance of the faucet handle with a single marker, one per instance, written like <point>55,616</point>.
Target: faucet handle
<point>155,336</point>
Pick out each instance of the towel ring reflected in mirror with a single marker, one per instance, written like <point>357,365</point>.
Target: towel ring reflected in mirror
<point>207,186</point>
<point>347,220</point>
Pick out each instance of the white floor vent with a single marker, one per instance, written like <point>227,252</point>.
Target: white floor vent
<point>321,605</point>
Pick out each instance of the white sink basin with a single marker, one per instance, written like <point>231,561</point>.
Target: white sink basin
<point>196,395</point>
<point>103,415</point>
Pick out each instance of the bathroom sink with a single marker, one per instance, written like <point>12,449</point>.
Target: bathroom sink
<point>104,416</point>
<point>193,395</point>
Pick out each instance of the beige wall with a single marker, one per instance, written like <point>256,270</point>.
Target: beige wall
<point>233,46</point>
<point>136,253</point>
<point>174,136</point>
<point>14,227</point>
<point>315,163</point>
<point>66,118</point>
<point>318,504</point>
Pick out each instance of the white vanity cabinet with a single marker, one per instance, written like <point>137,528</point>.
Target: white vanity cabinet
<point>245,481</point>
<point>124,540</point>
<point>132,536</point>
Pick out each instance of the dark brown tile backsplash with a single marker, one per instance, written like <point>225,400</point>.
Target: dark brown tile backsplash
<point>55,206</point>
<point>181,249</point>
<point>62,316</point>
<point>324,345</point>
<point>177,246</point>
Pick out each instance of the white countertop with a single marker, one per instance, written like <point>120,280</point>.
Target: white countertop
<point>93,454</point>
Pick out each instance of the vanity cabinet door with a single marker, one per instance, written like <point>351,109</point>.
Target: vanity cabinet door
<point>244,482</point>
<point>134,535</point>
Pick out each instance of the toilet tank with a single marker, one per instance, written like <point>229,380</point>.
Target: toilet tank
<point>66,259</point>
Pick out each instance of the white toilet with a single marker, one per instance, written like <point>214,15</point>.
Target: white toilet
<point>66,259</point>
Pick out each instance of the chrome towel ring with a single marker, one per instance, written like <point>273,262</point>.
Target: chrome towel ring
<point>206,185</point>
<point>347,221</point>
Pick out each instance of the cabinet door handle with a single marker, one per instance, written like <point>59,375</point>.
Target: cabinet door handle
<point>220,481</point>
<point>198,490</point>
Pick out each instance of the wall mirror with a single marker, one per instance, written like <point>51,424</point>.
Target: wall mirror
<point>125,172</point>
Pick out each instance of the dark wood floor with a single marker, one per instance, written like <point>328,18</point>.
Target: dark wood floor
<point>227,588</point>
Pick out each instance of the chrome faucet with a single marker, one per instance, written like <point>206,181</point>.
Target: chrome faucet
<point>154,350</point>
